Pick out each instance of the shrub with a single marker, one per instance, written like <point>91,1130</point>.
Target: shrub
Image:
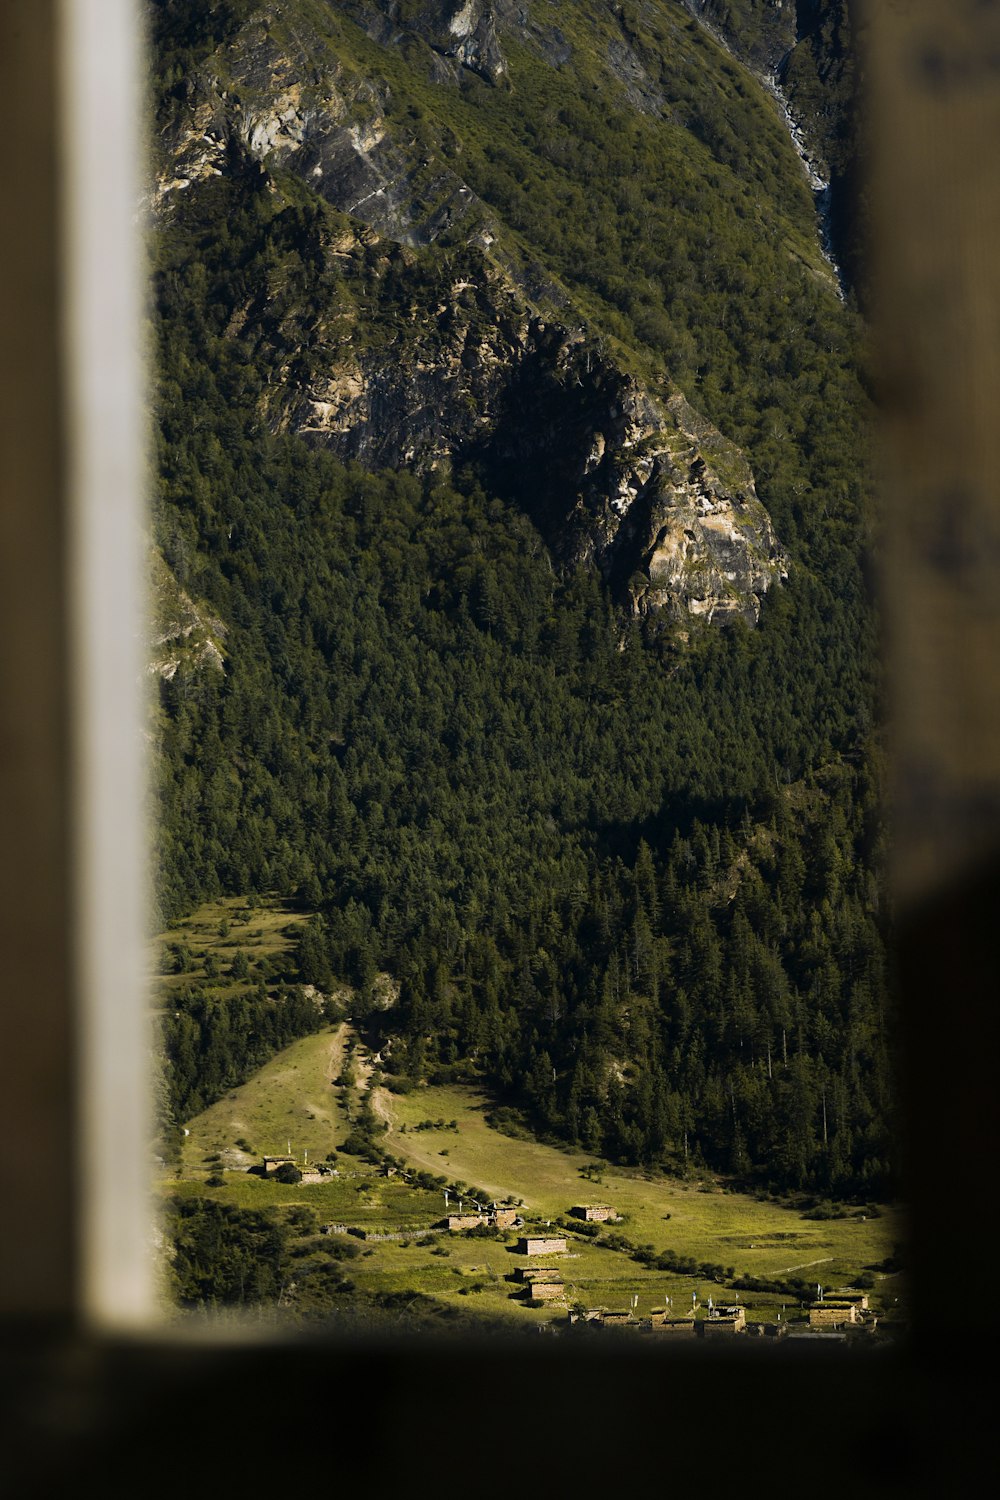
<point>356,1144</point>
<point>339,1248</point>
<point>302,1218</point>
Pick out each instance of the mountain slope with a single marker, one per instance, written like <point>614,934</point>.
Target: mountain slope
<point>498,357</point>
<point>631,475</point>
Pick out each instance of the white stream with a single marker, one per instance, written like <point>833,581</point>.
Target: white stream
<point>818,180</point>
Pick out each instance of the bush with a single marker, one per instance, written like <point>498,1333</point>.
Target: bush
<point>579,1226</point>
<point>339,1248</point>
<point>302,1218</point>
<point>825,1210</point>
<point>357,1144</point>
<point>288,1172</point>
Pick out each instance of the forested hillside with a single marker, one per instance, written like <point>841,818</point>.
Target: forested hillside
<point>614,825</point>
<point>815,51</point>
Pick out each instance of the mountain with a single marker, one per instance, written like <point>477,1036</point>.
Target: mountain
<point>511,437</point>
<point>494,363</point>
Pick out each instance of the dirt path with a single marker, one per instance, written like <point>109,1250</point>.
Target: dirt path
<point>380,1107</point>
<point>331,1069</point>
<point>335,1058</point>
<point>427,1157</point>
<point>801,1265</point>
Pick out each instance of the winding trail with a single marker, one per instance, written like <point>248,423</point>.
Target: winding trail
<point>427,1157</point>
<point>801,1265</point>
<point>335,1058</point>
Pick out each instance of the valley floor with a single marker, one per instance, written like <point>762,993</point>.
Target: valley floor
<point>304,1103</point>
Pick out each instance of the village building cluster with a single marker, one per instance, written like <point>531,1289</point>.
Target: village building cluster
<point>832,1315</point>
<point>720,1322</point>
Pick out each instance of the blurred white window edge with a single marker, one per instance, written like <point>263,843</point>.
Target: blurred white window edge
<point>100,81</point>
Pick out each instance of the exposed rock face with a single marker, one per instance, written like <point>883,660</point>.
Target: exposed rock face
<point>184,636</point>
<point>632,482</point>
<point>475,358</point>
<point>292,106</point>
<point>460,30</point>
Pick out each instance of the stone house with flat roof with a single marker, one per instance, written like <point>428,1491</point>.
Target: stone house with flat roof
<point>728,1320</point>
<point>272,1163</point>
<point>542,1245</point>
<point>666,1323</point>
<point>546,1289</point>
<point>830,1314</point>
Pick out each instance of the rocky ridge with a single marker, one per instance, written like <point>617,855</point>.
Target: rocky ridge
<point>463,355</point>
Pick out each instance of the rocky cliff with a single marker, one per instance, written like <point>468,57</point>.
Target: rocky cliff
<point>429,336</point>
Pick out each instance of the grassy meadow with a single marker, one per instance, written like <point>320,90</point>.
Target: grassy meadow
<point>201,948</point>
<point>291,1105</point>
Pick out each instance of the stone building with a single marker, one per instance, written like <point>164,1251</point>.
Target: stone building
<point>545,1289</point>
<point>594,1213</point>
<point>619,1320</point>
<point>833,1314</point>
<point>272,1163</point>
<point>726,1321</point>
<point>503,1217</point>
<point>541,1245</point>
<point>466,1221</point>
<point>667,1324</point>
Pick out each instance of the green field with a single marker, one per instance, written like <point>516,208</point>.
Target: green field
<point>297,1100</point>
<point>292,1104</point>
<point>759,1238</point>
<point>265,933</point>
